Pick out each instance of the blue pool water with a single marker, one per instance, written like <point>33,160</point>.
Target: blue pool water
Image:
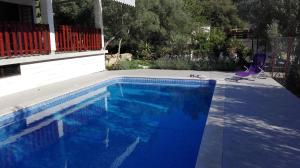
<point>125,122</point>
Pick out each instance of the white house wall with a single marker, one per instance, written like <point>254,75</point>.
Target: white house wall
<point>39,74</point>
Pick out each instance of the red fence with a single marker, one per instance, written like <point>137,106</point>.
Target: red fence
<point>73,38</point>
<point>24,39</point>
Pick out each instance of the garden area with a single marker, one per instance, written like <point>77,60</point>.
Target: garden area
<point>204,35</point>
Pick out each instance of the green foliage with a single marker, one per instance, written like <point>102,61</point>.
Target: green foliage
<point>222,13</point>
<point>157,28</point>
<point>224,65</point>
<point>145,51</point>
<point>134,64</point>
<point>161,28</point>
<point>208,44</point>
<point>162,25</point>
<point>118,22</point>
<point>184,63</point>
<point>264,14</point>
<point>76,12</point>
<point>177,63</point>
<point>196,11</point>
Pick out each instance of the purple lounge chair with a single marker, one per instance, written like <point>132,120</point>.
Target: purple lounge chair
<point>255,69</point>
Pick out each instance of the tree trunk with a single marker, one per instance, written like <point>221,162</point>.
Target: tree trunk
<point>119,49</point>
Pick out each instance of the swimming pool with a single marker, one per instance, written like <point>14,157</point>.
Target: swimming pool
<point>123,122</point>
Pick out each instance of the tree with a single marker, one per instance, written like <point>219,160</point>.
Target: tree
<point>154,28</point>
<point>118,20</point>
<point>158,25</point>
<point>76,12</point>
<point>221,13</point>
<point>261,14</point>
<point>220,16</point>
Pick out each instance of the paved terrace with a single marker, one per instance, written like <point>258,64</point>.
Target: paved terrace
<point>253,124</point>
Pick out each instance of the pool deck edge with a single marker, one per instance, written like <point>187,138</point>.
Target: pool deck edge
<point>211,148</point>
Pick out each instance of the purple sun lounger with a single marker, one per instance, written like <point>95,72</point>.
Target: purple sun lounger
<point>255,69</point>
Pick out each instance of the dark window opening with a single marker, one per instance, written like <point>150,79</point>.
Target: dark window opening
<point>10,12</point>
<point>10,70</point>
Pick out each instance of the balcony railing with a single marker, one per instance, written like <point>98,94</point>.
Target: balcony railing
<point>24,39</point>
<point>74,38</point>
<point>19,40</point>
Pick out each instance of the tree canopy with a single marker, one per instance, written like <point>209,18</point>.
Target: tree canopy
<point>156,28</point>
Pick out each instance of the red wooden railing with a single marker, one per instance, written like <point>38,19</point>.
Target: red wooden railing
<point>74,38</point>
<point>18,39</point>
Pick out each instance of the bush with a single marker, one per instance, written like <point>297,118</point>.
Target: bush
<point>225,65</point>
<point>184,63</point>
<point>145,51</point>
<point>293,80</point>
<point>202,65</point>
<point>208,44</point>
<point>126,65</point>
<point>177,63</point>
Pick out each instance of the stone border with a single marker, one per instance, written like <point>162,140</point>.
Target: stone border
<point>211,148</point>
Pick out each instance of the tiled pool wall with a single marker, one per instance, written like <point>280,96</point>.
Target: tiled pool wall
<point>23,113</point>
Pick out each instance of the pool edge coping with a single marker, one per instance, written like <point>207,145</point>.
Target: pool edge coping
<point>210,153</point>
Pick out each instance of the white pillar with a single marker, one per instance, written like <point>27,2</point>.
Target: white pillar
<point>47,18</point>
<point>34,11</point>
<point>99,18</point>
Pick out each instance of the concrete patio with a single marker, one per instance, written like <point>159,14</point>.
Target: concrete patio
<point>251,124</point>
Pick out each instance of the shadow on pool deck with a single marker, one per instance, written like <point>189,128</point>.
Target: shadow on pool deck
<point>261,127</point>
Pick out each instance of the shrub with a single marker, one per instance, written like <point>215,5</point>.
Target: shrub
<point>202,65</point>
<point>225,65</point>
<point>293,80</point>
<point>176,63</point>
<point>126,65</point>
<point>208,44</point>
<point>145,51</point>
<point>184,63</point>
